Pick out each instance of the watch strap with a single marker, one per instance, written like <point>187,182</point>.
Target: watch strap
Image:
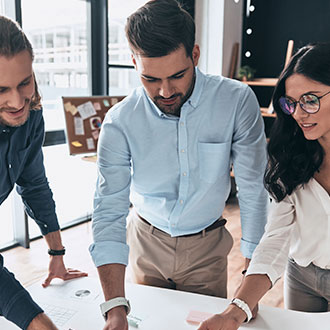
<point>52,252</point>
<point>115,302</point>
<point>244,307</point>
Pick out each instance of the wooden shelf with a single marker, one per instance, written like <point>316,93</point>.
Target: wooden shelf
<point>265,113</point>
<point>271,82</point>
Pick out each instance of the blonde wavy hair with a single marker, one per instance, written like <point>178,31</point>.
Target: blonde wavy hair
<point>13,41</point>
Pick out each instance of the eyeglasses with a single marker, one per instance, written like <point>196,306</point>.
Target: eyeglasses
<point>308,102</point>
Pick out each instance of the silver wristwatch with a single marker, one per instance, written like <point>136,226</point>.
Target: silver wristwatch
<point>112,303</point>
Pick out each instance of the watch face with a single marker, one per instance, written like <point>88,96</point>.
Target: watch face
<point>115,302</point>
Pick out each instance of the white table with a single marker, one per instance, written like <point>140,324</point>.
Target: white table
<point>159,309</point>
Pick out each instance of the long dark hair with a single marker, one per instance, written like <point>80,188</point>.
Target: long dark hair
<point>159,28</point>
<point>13,41</point>
<point>293,159</point>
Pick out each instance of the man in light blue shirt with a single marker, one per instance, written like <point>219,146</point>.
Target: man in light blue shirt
<point>168,147</point>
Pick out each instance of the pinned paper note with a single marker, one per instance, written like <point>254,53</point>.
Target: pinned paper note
<point>95,122</point>
<point>114,100</point>
<point>76,144</point>
<point>95,134</point>
<point>106,103</point>
<point>90,144</point>
<point>97,106</point>
<point>78,126</point>
<point>70,108</point>
<point>86,110</point>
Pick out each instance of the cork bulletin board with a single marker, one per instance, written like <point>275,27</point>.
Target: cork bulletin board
<point>83,118</point>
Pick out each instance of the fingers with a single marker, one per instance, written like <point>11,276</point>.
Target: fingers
<point>48,280</point>
<point>73,273</point>
<point>68,275</point>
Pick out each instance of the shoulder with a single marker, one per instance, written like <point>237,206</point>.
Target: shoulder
<point>34,123</point>
<point>124,109</point>
<point>225,83</point>
<point>228,90</point>
<point>36,116</point>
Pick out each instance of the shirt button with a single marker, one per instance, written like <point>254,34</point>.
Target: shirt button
<point>184,174</point>
<point>9,165</point>
<point>181,201</point>
<point>182,150</point>
<point>182,124</point>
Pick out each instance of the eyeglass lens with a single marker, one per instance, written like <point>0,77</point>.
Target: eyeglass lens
<point>308,102</point>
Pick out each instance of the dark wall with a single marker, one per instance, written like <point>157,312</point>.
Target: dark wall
<point>274,22</point>
<point>189,6</point>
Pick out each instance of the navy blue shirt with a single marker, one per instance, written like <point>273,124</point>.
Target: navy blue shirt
<point>22,164</point>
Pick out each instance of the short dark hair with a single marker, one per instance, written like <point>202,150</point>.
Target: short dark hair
<point>12,42</point>
<point>159,28</point>
<point>293,159</point>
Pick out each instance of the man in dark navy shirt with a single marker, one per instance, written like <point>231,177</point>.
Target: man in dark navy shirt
<point>21,163</point>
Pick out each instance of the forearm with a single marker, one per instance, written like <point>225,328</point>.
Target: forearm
<point>54,240</point>
<point>253,288</point>
<point>112,277</point>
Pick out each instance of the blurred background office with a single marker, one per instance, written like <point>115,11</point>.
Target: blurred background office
<point>81,50</point>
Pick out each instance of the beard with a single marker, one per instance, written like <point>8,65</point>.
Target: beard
<point>16,122</point>
<point>175,108</point>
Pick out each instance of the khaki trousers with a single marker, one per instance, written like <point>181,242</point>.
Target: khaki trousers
<point>195,264</point>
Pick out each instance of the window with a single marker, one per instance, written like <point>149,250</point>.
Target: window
<point>122,75</point>
<point>58,33</point>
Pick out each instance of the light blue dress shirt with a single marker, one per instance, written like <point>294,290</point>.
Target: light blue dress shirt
<point>176,170</point>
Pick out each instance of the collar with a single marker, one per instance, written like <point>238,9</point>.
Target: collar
<point>198,88</point>
<point>4,129</point>
<point>193,99</point>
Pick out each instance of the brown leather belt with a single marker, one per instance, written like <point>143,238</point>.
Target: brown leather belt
<point>218,223</point>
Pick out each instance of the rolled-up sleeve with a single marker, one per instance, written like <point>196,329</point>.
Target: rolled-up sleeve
<point>111,200</point>
<point>249,162</point>
<point>271,255</point>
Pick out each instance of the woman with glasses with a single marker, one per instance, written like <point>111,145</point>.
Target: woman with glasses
<point>297,177</point>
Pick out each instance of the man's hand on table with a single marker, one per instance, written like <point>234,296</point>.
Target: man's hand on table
<point>57,269</point>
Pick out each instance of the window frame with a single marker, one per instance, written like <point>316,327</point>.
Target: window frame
<point>97,18</point>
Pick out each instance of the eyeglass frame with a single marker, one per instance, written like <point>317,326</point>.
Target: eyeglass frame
<point>296,102</point>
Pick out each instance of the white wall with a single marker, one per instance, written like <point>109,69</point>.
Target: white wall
<point>232,32</point>
<point>218,27</point>
<point>8,8</point>
<point>209,34</point>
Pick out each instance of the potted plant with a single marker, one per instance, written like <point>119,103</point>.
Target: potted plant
<point>245,73</point>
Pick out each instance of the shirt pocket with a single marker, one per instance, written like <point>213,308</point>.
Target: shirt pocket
<point>214,160</point>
